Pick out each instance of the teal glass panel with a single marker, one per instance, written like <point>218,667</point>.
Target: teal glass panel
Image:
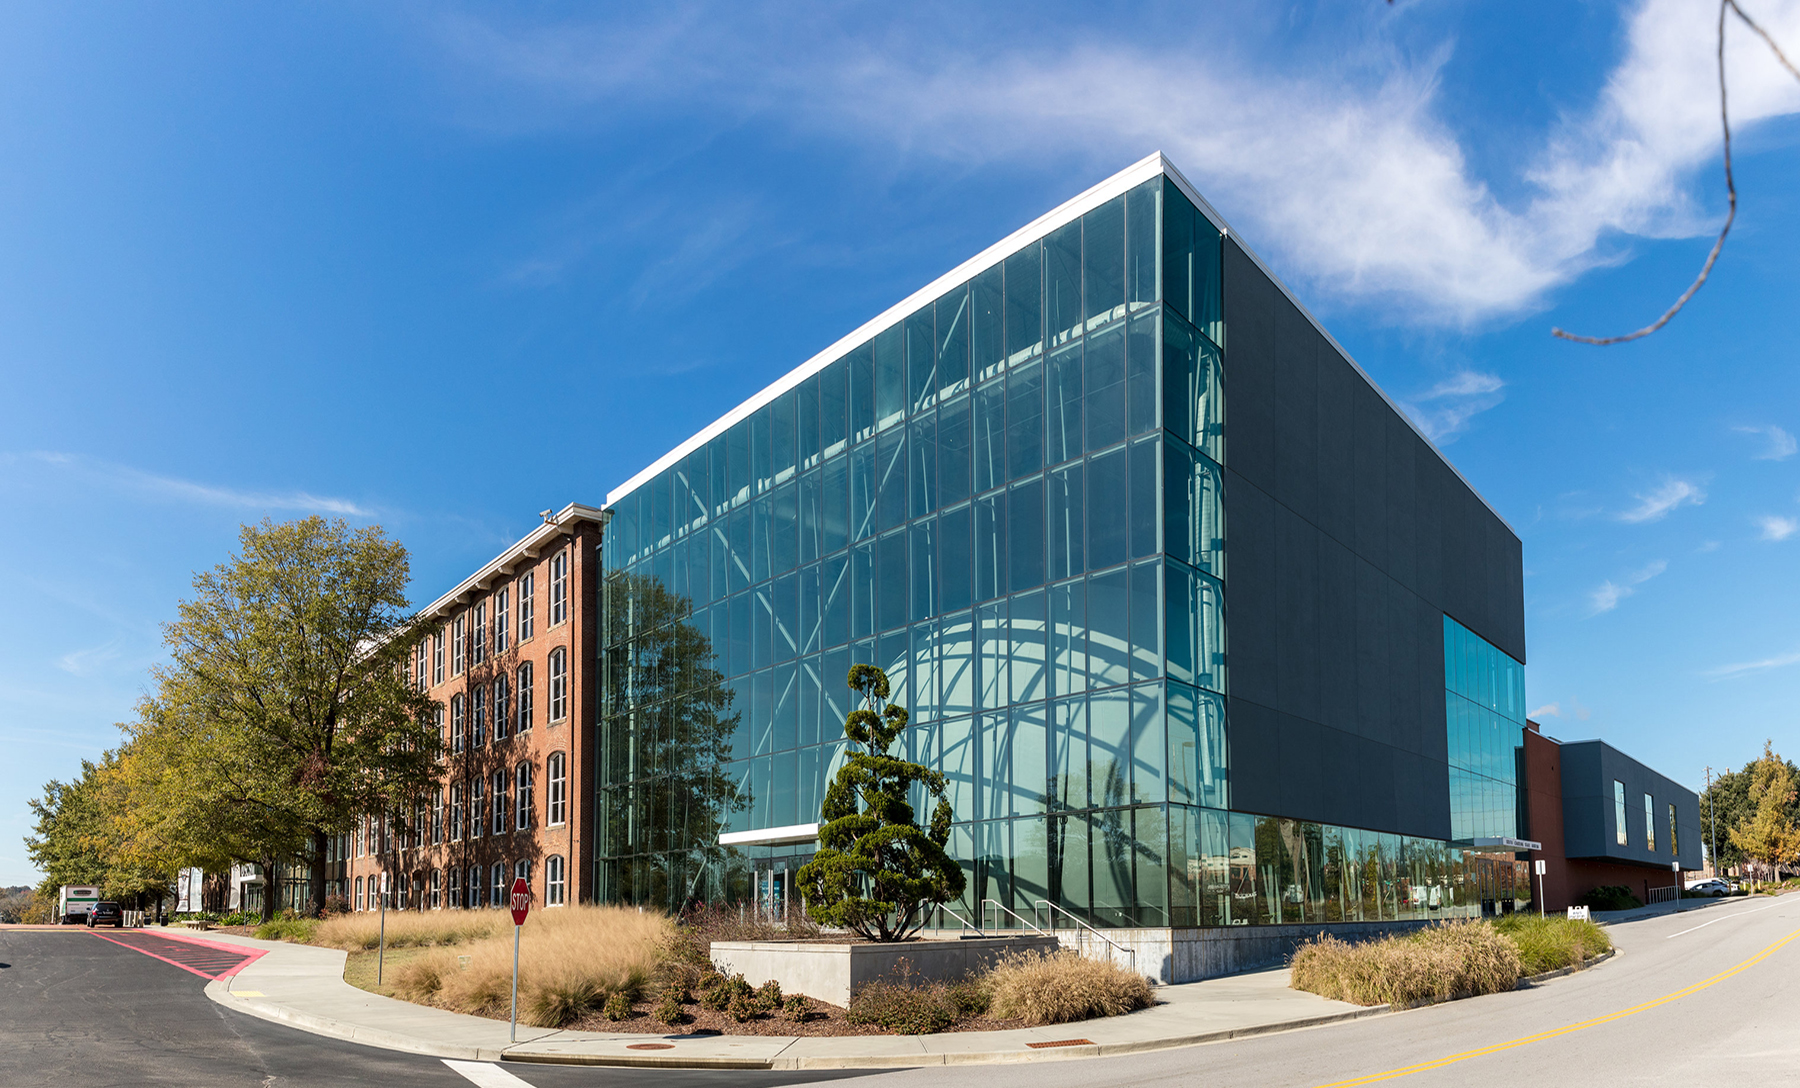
<point>890,486</point>
<point>922,467</point>
<point>1025,531</point>
<point>762,469</point>
<point>1024,304</point>
<point>990,546</point>
<point>784,596</point>
<point>1150,855</point>
<point>1109,747</point>
<point>891,580</point>
<point>890,377</point>
<point>1066,522</point>
<point>956,570</point>
<point>808,440</point>
<point>987,324</point>
<point>861,361</point>
<point>1103,261</point>
<point>834,408</point>
<point>953,343</point>
<point>1031,865</point>
<point>990,656</point>
<point>1246,906</point>
<point>995,739</point>
<point>925,705</point>
<point>1193,391</point>
<point>1146,620</point>
<point>812,729</point>
<point>1108,509</point>
<point>784,528</point>
<point>1194,509</point>
<point>1186,862</point>
<point>956,662</point>
<point>1110,832</point>
<point>784,436</point>
<point>1062,421</point>
<point>1025,420</point>
<point>761,517</point>
<point>1062,283</point>
<point>1208,313</point>
<point>923,579</point>
<point>812,610</point>
<point>1178,217</point>
<point>1140,243</point>
<point>787,708</point>
<point>1198,772</point>
<point>955,451</point>
<point>862,491</point>
<point>1109,629</point>
<point>1216,901</point>
<point>1068,637</point>
<point>921,360</point>
<point>834,524</point>
<point>1027,662</point>
<point>960,781</point>
<point>990,436</point>
<point>1069,864</point>
<point>1105,375</point>
<point>738,465</point>
<point>1149,745</point>
<point>1068,754</point>
<point>862,590</point>
<point>835,573</point>
<point>739,534</point>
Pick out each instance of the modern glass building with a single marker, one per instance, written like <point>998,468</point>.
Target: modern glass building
<point>1201,630</point>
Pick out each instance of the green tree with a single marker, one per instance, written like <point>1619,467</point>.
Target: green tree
<point>82,834</point>
<point>1726,803</point>
<point>1768,833</point>
<point>285,712</point>
<point>877,872</point>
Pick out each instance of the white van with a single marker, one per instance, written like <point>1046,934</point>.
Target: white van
<point>74,902</point>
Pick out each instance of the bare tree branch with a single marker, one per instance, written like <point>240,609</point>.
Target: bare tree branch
<point>1730,187</point>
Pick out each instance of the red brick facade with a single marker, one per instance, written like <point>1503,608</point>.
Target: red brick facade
<point>507,663</point>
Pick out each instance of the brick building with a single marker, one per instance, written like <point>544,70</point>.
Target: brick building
<point>508,664</point>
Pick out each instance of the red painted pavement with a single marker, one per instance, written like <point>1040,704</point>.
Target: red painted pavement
<point>208,959</point>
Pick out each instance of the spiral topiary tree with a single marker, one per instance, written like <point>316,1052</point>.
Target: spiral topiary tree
<point>877,871</point>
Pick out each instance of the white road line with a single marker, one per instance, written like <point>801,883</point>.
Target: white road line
<point>1728,917</point>
<point>486,1074</point>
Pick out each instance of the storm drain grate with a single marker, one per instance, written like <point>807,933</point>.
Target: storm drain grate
<point>649,1046</point>
<point>1061,1042</point>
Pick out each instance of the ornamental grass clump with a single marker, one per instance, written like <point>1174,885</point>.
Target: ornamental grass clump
<point>1059,987</point>
<point>361,931</point>
<point>1552,943</point>
<point>1456,959</point>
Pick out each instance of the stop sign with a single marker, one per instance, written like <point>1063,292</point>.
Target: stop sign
<point>521,901</point>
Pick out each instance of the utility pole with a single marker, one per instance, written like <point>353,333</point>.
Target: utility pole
<point>1712,810</point>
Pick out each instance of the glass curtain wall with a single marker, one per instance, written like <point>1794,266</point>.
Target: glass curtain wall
<point>1484,713</point>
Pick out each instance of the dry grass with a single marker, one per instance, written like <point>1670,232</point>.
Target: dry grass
<point>412,929</point>
<point>1059,987</point>
<point>1457,959</point>
<point>571,960</point>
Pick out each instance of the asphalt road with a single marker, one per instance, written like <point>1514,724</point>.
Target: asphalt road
<point>1688,1002</point>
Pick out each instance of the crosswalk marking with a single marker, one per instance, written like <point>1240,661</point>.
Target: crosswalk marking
<point>486,1074</point>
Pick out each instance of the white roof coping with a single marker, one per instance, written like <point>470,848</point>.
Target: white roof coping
<point>556,524</point>
<point>1141,171</point>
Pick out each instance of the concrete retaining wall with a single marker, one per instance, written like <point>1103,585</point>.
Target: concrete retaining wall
<point>833,972</point>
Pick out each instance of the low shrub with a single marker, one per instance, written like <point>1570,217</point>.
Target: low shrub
<point>298,930</point>
<point>743,1007</point>
<point>242,918</point>
<point>1456,959</point>
<point>903,1009</point>
<point>724,990</point>
<point>668,1010</point>
<point>797,1008</point>
<point>618,1006</point>
<point>1058,987</point>
<point>970,998</point>
<point>1552,943</point>
<point>768,995</point>
<point>1609,897</point>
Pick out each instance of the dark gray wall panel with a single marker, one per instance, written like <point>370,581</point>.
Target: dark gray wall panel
<point>1371,541</point>
<point>1251,594</point>
<point>1337,634</point>
<point>1255,751</point>
<point>1296,411</point>
<point>1374,701</point>
<point>1302,788</point>
<point>1297,614</point>
<point>1337,444</point>
<point>1402,496</point>
<point>1249,369</point>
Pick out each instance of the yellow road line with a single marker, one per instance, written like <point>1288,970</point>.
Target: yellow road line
<point>1408,1071</point>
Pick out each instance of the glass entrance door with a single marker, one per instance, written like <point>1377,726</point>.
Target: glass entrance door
<point>772,891</point>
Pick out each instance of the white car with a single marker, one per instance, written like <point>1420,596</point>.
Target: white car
<point>1714,887</point>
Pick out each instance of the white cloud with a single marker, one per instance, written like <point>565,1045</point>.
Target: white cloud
<point>1656,505</point>
<point>1443,411</point>
<point>1343,169</point>
<point>1778,528</point>
<point>1781,444</point>
<point>1610,593</point>
<point>152,487</point>
<point>1548,710</point>
<point>1745,668</point>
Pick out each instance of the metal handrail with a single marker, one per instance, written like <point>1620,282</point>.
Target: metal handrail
<point>1033,926</point>
<point>966,924</point>
<point>1082,925</point>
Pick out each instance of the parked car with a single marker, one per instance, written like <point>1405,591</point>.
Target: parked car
<point>1714,888</point>
<point>106,914</point>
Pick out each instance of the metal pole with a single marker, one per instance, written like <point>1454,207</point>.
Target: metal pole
<point>381,956</point>
<point>515,993</point>
<point>1712,810</point>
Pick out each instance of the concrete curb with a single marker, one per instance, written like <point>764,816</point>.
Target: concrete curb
<point>1569,970</point>
<point>219,991</point>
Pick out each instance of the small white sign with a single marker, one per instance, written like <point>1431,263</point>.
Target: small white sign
<point>1540,866</point>
<point>1579,914</point>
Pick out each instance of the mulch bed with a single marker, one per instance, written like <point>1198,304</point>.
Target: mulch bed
<point>823,1020</point>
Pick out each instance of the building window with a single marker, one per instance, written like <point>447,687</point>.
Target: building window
<point>1674,844</point>
<point>419,678</point>
<point>437,816</point>
<point>400,892</point>
<point>477,815</point>
<point>453,890</point>
<point>527,603</point>
<point>478,635</point>
<point>555,791</point>
<point>522,871</point>
<point>1619,811</point>
<point>437,717</point>
<point>524,693</point>
<point>437,901</point>
<point>437,656</point>
<point>501,620</point>
<point>474,886</point>
<point>359,893</point>
<point>502,708</point>
<point>559,587</point>
<point>478,719</point>
<point>522,796</point>
<point>458,647</point>
<point>456,722</point>
<point>559,684</point>
<point>499,802</point>
<point>497,876</point>
<point>1649,824</point>
<point>553,881</point>
<point>456,812</point>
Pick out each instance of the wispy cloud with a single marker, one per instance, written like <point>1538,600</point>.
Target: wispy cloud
<point>1444,410</point>
<point>1745,668</point>
<point>1344,168</point>
<point>1548,710</point>
<point>1675,492</point>
<point>1609,593</point>
<point>86,661</point>
<point>1775,527</point>
<point>150,486</point>
<point>1781,445</point>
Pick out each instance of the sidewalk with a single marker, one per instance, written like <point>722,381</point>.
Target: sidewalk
<point>304,987</point>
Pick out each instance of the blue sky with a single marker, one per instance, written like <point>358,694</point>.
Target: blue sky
<point>441,267</point>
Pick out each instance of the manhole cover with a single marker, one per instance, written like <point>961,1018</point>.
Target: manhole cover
<point>1061,1042</point>
<point>649,1046</point>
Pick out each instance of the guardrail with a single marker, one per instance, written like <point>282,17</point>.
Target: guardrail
<point>1663,895</point>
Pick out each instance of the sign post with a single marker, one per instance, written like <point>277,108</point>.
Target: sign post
<point>1540,875</point>
<point>381,956</point>
<point>521,906</point>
